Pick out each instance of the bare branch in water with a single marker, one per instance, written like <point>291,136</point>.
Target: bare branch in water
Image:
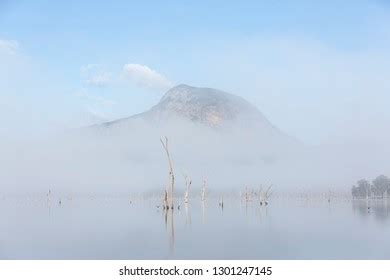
<point>171,176</point>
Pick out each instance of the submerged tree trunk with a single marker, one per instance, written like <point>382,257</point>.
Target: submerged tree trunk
<point>188,182</point>
<point>171,176</point>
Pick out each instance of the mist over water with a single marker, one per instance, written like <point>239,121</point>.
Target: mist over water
<point>130,159</point>
<point>275,116</point>
<point>97,192</point>
<point>135,228</point>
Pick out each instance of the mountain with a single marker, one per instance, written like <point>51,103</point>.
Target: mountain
<point>206,106</point>
<point>206,117</point>
<point>211,134</point>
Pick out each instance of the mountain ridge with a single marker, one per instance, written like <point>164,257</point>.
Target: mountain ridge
<point>207,106</point>
<point>219,124</point>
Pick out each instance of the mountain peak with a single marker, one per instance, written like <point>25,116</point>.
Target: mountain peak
<point>182,86</point>
<point>205,105</point>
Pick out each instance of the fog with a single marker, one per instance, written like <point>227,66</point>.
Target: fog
<point>332,99</point>
<point>274,110</point>
<point>126,159</point>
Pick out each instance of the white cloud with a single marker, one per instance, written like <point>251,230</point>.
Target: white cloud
<point>93,75</point>
<point>9,46</point>
<point>143,76</point>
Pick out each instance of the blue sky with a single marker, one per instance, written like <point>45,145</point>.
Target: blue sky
<point>312,67</point>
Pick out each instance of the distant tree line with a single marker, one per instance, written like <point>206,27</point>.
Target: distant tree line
<point>378,188</point>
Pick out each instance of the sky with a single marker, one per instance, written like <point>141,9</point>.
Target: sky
<point>318,70</point>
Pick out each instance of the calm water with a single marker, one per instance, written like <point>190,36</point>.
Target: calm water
<point>113,228</point>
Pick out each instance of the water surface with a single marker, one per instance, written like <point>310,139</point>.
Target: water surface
<point>117,228</point>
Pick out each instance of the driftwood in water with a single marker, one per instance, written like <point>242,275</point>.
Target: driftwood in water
<point>221,202</point>
<point>267,195</point>
<point>188,183</point>
<point>171,177</point>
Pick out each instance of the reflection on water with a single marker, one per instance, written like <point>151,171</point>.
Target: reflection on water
<point>215,228</point>
<point>379,208</point>
<point>188,213</point>
<point>203,211</point>
<point>170,226</point>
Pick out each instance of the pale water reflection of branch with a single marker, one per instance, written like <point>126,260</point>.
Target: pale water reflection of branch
<point>170,227</point>
<point>188,213</point>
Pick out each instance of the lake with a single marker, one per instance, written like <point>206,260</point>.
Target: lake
<point>124,228</point>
